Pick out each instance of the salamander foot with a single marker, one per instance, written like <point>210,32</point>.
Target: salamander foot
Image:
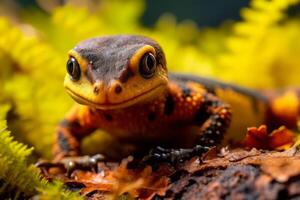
<point>173,156</point>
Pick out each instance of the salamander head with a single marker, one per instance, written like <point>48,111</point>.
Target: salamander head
<point>116,71</point>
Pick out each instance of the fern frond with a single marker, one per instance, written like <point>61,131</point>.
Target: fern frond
<point>258,19</point>
<point>85,24</point>
<point>252,50</point>
<point>36,86</point>
<point>82,25</point>
<point>129,14</point>
<point>26,50</point>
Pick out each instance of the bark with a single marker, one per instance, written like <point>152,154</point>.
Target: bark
<point>234,174</point>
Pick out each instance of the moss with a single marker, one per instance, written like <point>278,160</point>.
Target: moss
<point>18,178</point>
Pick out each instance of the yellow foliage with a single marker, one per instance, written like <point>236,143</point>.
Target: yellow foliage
<point>263,48</point>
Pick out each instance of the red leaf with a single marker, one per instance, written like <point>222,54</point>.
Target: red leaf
<point>277,139</point>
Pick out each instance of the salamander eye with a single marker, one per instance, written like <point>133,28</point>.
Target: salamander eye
<point>73,69</point>
<point>147,65</point>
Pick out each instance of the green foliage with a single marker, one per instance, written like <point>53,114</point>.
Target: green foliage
<point>20,179</point>
<point>56,191</point>
<point>14,170</point>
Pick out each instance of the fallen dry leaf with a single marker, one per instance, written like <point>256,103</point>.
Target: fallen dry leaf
<point>281,168</point>
<point>281,138</point>
<point>140,183</point>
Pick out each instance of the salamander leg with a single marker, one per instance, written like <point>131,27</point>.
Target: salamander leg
<point>213,117</point>
<point>69,134</point>
<point>173,156</point>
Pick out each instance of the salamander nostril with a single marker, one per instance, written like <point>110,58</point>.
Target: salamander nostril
<point>96,90</point>
<point>118,89</point>
<point>97,87</point>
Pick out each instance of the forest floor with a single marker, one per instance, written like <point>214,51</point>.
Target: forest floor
<point>219,174</point>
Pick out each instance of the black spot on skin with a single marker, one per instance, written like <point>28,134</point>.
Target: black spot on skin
<point>96,90</point>
<point>63,142</point>
<point>211,90</point>
<point>118,89</point>
<point>169,105</point>
<point>202,115</point>
<point>151,116</point>
<point>186,92</point>
<point>108,117</point>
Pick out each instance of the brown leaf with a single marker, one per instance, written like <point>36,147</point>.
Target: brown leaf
<point>281,138</point>
<point>281,168</point>
<point>139,183</point>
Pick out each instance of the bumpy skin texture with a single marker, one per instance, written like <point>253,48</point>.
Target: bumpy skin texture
<point>184,112</point>
<point>163,121</point>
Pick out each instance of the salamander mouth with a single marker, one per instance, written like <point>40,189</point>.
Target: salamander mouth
<point>108,105</point>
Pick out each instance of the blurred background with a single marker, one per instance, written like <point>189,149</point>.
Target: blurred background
<point>204,13</point>
<point>251,43</point>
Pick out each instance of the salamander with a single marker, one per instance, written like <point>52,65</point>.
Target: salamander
<point>122,85</point>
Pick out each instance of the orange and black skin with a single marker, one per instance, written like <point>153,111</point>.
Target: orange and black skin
<point>122,86</point>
